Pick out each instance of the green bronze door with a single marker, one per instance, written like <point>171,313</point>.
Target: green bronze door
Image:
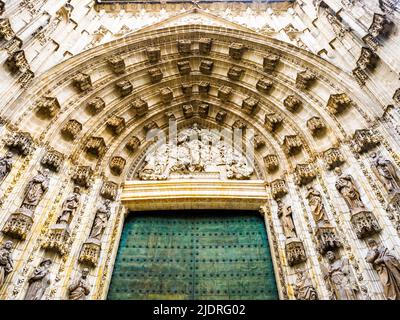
<point>193,255</point>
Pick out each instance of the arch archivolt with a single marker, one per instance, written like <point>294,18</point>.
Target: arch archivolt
<point>287,183</point>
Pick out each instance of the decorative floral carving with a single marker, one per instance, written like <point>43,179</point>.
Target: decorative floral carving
<point>116,124</point>
<point>117,164</point>
<point>71,129</point>
<point>235,73</point>
<point>236,50</point>
<point>124,87</point>
<point>206,66</point>
<point>337,103</point>
<point>53,160</point>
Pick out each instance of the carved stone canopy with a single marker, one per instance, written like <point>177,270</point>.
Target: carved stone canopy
<point>203,110</point>
<point>292,144</point>
<point>116,124</point>
<point>117,164</point>
<point>273,121</point>
<point>292,103</point>
<point>53,160</point>
<point>206,66</point>
<point>235,73</point>
<point>205,45</point>
<point>278,188</point>
<point>264,85</point>
<point>184,46</point>
<point>124,87</point>
<point>82,82</point>
<point>109,190</point>
<point>184,67</point>
<point>133,144</point>
<point>21,142</point>
<point>305,79</point>
<point>304,173</point>
<point>153,54</point>
<point>6,32</point>
<point>249,105</point>
<point>333,158</point>
<point>48,107</point>
<point>204,87</point>
<point>364,140</point>
<point>220,116</point>
<point>17,62</point>
<point>367,59</point>
<point>337,103</point>
<point>96,105</point>
<point>166,95</point>
<point>117,64</point>
<point>187,88</point>
<point>224,93</point>
<point>295,253</point>
<point>236,50</point>
<point>155,74</point>
<point>95,146</point>
<point>71,129</point>
<point>271,162</point>
<point>316,125</point>
<point>188,110</point>
<point>150,125</point>
<point>380,25</point>
<point>140,107</point>
<point>82,176</point>
<point>270,62</point>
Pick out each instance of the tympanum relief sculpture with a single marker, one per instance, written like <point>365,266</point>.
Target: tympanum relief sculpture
<point>197,151</point>
<point>80,288</point>
<point>39,281</point>
<point>6,261</point>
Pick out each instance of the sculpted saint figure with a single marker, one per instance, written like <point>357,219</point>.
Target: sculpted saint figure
<point>285,214</point>
<point>6,261</point>
<point>347,188</point>
<point>6,163</point>
<point>39,281</point>
<point>386,172</point>
<point>388,268</point>
<point>303,288</point>
<point>80,288</point>
<point>317,207</point>
<point>36,189</point>
<point>339,278</point>
<point>71,203</point>
<point>102,215</point>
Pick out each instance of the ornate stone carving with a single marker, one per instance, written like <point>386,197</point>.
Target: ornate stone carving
<point>295,253</point>
<point>336,22</point>
<point>17,62</point>
<point>387,265</point>
<point>258,141</point>
<point>21,142</point>
<point>155,74</point>
<point>203,110</point>
<point>316,126</point>
<point>153,54</point>
<point>82,82</point>
<point>386,172</point>
<point>48,106</point>
<point>26,78</point>
<point>380,25</point>
<point>304,288</point>
<point>371,42</point>
<point>6,164</point>
<point>304,173</point>
<point>337,103</point>
<point>333,158</point>
<point>340,279</point>
<point>6,32</point>
<point>264,85</point>
<point>206,66</point>
<point>249,105</point>
<point>271,162</point>
<point>278,189</point>
<point>184,67</point>
<point>364,140</point>
<point>96,105</point>
<point>95,146</point>
<point>360,76</point>
<point>80,288</point>
<point>116,124</point>
<point>235,73</point>
<point>199,151</point>
<point>272,121</point>
<point>187,88</point>
<point>166,95</point>
<point>71,129</point>
<point>292,144</point>
<point>109,190</point>
<point>149,126</point>
<point>224,93</point>
<point>305,79</point>
<point>367,59</point>
<point>292,103</point>
<point>39,281</point>
<point>124,87</point>
<point>117,64</point>
<point>188,110</point>
<point>270,62</point>
<point>184,46</point>
<point>220,116</point>
<point>82,176</point>
<point>204,87</point>
<point>6,261</point>
<point>239,124</point>
<point>326,238</point>
<point>18,224</point>
<point>133,144</point>
<point>205,45</point>
<point>117,165</point>
<point>236,50</point>
<point>53,160</point>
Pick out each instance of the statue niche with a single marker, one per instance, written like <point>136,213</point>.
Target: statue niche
<point>197,152</point>
<point>39,281</point>
<point>6,261</point>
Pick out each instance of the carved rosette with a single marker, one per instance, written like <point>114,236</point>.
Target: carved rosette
<point>364,224</point>
<point>249,105</point>
<point>116,124</point>
<point>155,74</point>
<point>48,106</point>
<point>295,253</point>
<point>133,144</point>
<point>337,103</point>
<point>204,87</point>
<point>187,88</point>
<point>305,79</point>
<point>327,239</point>
<point>316,126</point>
<point>224,93</point>
<point>109,190</point>
<point>124,87</point>
<point>270,62</point>
<point>304,173</point>
<point>188,110</point>
<point>264,85</point>
<point>203,110</point>
<point>57,239</point>
<point>82,82</point>
<point>53,160</point>
<point>184,46</point>
<point>17,62</point>
<point>278,189</point>
<point>205,45</point>
<point>271,162</point>
<point>21,142</point>
<point>235,73</point>
<point>292,103</point>
<point>117,65</point>
<point>220,116</point>
<point>117,165</point>
<point>95,146</point>
<point>82,176</point>
<point>333,158</point>
<point>273,121</point>
<point>364,140</point>
<point>18,224</point>
<point>153,54</point>
<point>90,253</point>
<point>292,144</point>
<point>184,67</point>
<point>96,105</point>
<point>206,66</point>
<point>236,50</point>
<point>71,129</point>
<point>166,95</point>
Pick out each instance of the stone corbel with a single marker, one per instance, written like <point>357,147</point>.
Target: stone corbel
<point>236,50</point>
<point>166,95</point>
<point>155,74</point>
<point>95,146</point>
<point>17,62</point>
<point>117,165</point>
<point>278,189</point>
<point>124,87</point>
<point>140,107</point>
<point>48,106</point>
<point>109,190</point>
<point>82,176</point>
<point>304,173</point>
<point>21,142</point>
<point>53,160</point>
<point>116,125</point>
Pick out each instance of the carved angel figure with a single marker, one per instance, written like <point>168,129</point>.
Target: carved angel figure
<point>303,288</point>
<point>339,278</point>
<point>100,221</point>
<point>35,190</point>
<point>69,207</point>
<point>317,207</point>
<point>285,214</point>
<point>39,281</point>
<point>6,261</point>
<point>347,188</point>
<point>80,288</point>
<point>388,268</point>
<point>6,163</point>
<point>386,172</point>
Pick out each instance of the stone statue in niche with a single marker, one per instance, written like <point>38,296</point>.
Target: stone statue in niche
<point>70,205</point>
<point>79,289</point>
<point>388,268</point>
<point>348,189</point>
<point>340,279</point>
<point>39,281</point>
<point>386,172</point>
<point>6,261</point>
<point>286,215</point>
<point>35,190</point>
<point>304,288</point>
<point>100,221</point>
<point>317,207</point>
<point>6,163</point>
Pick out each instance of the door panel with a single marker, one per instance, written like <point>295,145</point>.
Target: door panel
<point>193,255</point>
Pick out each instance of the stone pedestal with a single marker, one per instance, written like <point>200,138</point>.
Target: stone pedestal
<point>364,223</point>
<point>90,252</point>
<point>295,252</point>
<point>57,239</point>
<point>327,239</point>
<point>19,224</point>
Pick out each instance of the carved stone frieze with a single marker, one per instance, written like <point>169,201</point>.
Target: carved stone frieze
<point>203,110</point>
<point>117,64</point>
<point>82,82</point>
<point>264,85</point>
<point>292,144</point>
<point>140,107</point>
<point>292,103</point>
<point>249,105</point>
<point>155,74</point>
<point>270,62</point>
<point>82,176</point>
<point>204,87</point>
<point>236,50</point>
<point>95,146</point>
<point>304,173</point>
<point>184,46</point>
<point>71,129</point>
<point>153,54</point>
<point>184,67</point>
<point>205,45</point>
<point>53,160</point>
<point>364,140</point>
<point>21,142</point>
<point>188,110</point>
<point>220,116</point>
<point>337,103</point>
<point>17,62</point>
<point>6,32</point>
<point>224,93</point>
<point>117,165</point>
<point>116,124</point>
<point>48,106</point>
<point>235,73</point>
<point>187,88</point>
<point>96,105</point>
<point>124,87</point>
<point>278,189</point>
<point>109,190</point>
<point>295,252</point>
<point>333,158</point>
<point>166,95</point>
<point>317,126</point>
<point>271,162</point>
<point>305,79</point>
<point>206,66</point>
<point>273,121</point>
<point>133,144</point>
